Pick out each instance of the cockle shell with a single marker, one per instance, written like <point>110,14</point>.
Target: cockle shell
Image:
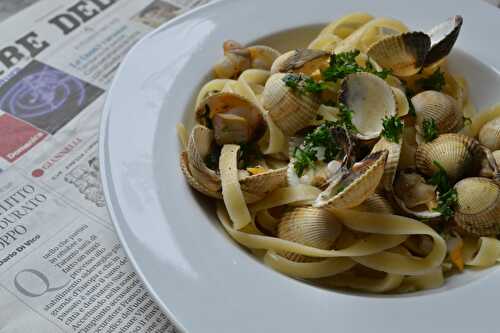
<point>235,119</point>
<point>318,176</point>
<point>195,183</point>
<point>489,135</point>
<point>355,186</point>
<point>442,108</point>
<point>402,104</point>
<point>391,165</point>
<point>371,99</point>
<point>404,54</point>
<point>207,181</point>
<point>411,191</point>
<point>199,147</point>
<point>311,227</point>
<point>443,38</point>
<point>304,61</point>
<point>376,203</point>
<point>262,57</point>
<point>290,111</point>
<point>478,207</point>
<point>454,152</point>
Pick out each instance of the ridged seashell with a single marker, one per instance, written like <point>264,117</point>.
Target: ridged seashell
<point>391,165</point>
<point>489,135</point>
<point>443,38</point>
<point>404,54</point>
<point>195,183</point>
<point>371,99</point>
<point>402,104</point>
<point>442,108</point>
<point>304,61</point>
<point>290,111</point>
<point>262,57</point>
<point>376,203</point>
<point>490,164</point>
<point>263,183</point>
<point>454,152</point>
<point>199,147</point>
<point>414,196</point>
<point>311,227</point>
<point>235,119</point>
<point>478,208</point>
<point>355,186</point>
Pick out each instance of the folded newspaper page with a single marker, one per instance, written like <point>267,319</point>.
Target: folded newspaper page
<point>62,268</point>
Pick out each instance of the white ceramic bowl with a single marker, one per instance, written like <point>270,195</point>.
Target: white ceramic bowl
<point>203,280</point>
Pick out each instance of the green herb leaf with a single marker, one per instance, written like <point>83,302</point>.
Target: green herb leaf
<point>440,178</point>
<point>430,130</point>
<point>467,121</point>
<point>307,153</point>
<point>448,196</point>
<point>435,81</point>
<point>447,203</point>
<point>304,84</point>
<point>343,64</point>
<point>345,118</point>
<point>393,128</point>
<point>304,158</point>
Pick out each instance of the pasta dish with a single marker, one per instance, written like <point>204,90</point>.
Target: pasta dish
<point>357,162</point>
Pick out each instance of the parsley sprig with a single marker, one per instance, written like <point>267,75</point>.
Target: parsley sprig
<point>430,129</point>
<point>345,118</point>
<point>343,64</point>
<point>307,154</point>
<point>392,128</point>
<point>304,84</point>
<point>448,197</point>
<point>435,81</point>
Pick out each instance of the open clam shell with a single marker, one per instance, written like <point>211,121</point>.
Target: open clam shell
<point>404,54</point>
<point>414,196</point>
<point>235,119</point>
<point>200,144</point>
<point>454,152</point>
<point>478,207</point>
<point>355,186</point>
<point>443,38</point>
<point>210,192</point>
<point>376,203</point>
<point>489,135</point>
<point>391,165</point>
<point>311,227</point>
<point>263,183</point>
<point>442,108</point>
<point>371,99</point>
<point>289,110</point>
<point>262,57</point>
<point>304,61</point>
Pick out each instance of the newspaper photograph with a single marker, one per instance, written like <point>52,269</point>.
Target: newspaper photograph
<point>62,268</point>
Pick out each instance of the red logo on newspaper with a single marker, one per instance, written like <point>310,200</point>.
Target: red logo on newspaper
<point>37,173</point>
<point>17,137</point>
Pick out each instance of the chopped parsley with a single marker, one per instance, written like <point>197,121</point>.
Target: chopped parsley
<point>435,81</point>
<point>345,118</point>
<point>393,128</point>
<point>307,154</point>
<point>448,196</point>
<point>467,121</point>
<point>304,84</point>
<point>430,130</point>
<point>447,203</point>
<point>343,64</point>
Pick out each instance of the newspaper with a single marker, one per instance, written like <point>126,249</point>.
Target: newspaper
<point>62,268</point>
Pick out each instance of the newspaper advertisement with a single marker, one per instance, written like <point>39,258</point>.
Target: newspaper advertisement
<point>62,268</point>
